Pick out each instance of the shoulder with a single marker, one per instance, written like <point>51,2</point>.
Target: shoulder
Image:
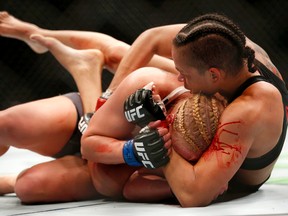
<point>256,110</point>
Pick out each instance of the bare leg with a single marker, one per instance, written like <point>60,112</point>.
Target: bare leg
<point>14,28</point>
<point>42,126</point>
<point>84,65</point>
<point>61,180</point>
<point>7,184</point>
<point>112,48</point>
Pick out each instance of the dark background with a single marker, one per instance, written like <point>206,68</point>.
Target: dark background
<point>27,76</point>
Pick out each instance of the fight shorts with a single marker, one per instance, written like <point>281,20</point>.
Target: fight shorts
<point>72,147</point>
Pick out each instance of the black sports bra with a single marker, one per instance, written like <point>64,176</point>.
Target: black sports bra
<point>269,157</point>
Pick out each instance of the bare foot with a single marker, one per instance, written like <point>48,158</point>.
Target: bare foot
<point>85,66</point>
<point>14,28</point>
<point>7,184</point>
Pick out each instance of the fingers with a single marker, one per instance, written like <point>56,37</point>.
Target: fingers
<point>154,124</point>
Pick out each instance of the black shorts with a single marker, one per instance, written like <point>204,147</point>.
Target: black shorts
<point>72,147</point>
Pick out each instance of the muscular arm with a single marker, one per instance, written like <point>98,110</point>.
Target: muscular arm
<point>199,184</point>
<point>108,129</point>
<point>142,52</point>
<point>241,133</point>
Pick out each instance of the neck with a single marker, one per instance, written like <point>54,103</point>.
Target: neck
<point>231,83</point>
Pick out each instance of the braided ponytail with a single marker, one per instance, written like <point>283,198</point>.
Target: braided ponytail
<point>250,55</point>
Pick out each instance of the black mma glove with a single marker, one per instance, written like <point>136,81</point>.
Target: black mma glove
<point>147,148</point>
<point>140,108</point>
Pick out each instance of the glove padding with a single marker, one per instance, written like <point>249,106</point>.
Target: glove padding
<point>148,149</point>
<point>140,108</point>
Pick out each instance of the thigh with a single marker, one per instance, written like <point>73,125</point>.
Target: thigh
<point>61,180</point>
<point>43,126</point>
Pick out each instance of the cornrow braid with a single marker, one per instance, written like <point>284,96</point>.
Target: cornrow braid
<point>196,122</point>
<point>207,28</point>
<point>250,55</point>
<point>192,31</point>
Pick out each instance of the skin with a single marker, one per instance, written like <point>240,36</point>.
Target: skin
<point>192,184</point>
<point>241,133</point>
<point>103,143</point>
<point>81,65</point>
<point>244,122</point>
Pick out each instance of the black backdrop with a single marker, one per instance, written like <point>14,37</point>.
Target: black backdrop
<point>27,76</point>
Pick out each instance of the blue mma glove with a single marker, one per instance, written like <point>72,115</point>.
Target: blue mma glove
<point>147,148</point>
<point>141,109</point>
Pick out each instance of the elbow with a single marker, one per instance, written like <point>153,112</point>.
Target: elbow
<point>189,203</point>
<point>88,146</point>
<point>188,199</point>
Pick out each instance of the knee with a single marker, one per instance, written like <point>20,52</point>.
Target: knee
<point>29,187</point>
<point>9,129</point>
<point>9,122</point>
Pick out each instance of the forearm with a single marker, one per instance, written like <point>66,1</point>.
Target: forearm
<point>102,149</point>
<point>151,48</point>
<point>138,56</point>
<point>184,182</point>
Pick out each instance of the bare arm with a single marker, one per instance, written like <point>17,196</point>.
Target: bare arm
<point>153,41</point>
<point>109,130</point>
<point>200,184</point>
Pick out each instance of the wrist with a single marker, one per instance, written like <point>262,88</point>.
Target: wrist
<point>128,154</point>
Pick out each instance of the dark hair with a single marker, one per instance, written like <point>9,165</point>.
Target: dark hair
<point>217,42</point>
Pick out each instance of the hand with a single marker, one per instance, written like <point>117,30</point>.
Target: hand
<point>148,148</point>
<point>140,108</point>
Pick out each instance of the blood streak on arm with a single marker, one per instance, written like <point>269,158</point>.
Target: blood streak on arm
<point>225,145</point>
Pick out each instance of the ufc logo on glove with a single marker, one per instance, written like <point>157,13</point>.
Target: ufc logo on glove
<point>135,112</point>
<point>139,146</point>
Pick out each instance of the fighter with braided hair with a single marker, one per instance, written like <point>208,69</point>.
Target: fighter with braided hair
<point>212,55</point>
